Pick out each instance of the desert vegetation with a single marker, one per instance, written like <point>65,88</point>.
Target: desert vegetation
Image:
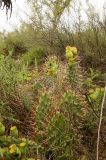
<point>52,84</point>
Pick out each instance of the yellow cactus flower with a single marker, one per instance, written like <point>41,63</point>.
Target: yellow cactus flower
<point>13,131</point>
<point>69,54</point>
<point>74,50</point>
<point>13,148</point>
<point>68,48</point>
<point>23,144</point>
<point>51,67</point>
<point>12,151</point>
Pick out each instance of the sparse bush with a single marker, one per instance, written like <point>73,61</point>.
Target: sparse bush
<point>15,42</point>
<point>35,55</point>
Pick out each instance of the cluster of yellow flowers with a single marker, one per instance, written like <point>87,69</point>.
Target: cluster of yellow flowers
<point>13,149</point>
<point>52,66</point>
<point>14,146</point>
<point>95,93</point>
<point>71,54</point>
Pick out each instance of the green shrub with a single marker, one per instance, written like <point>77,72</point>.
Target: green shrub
<point>35,55</point>
<point>92,76</point>
<point>14,41</point>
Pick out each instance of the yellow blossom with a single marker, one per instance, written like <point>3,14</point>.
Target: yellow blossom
<point>68,48</point>
<point>23,144</point>
<point>13,148</point>
<point>74,50</point>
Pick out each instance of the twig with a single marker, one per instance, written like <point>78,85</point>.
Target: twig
<point>100,121</point>
<point>91,106</point>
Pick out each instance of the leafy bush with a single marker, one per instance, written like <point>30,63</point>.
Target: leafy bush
<point>92,76</point>
<point>14,41</point>
<point>35,55</point>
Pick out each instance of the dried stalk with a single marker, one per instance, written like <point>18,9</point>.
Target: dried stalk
<point>100,122</point>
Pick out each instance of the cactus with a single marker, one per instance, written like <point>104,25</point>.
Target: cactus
<point>13,147</point>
